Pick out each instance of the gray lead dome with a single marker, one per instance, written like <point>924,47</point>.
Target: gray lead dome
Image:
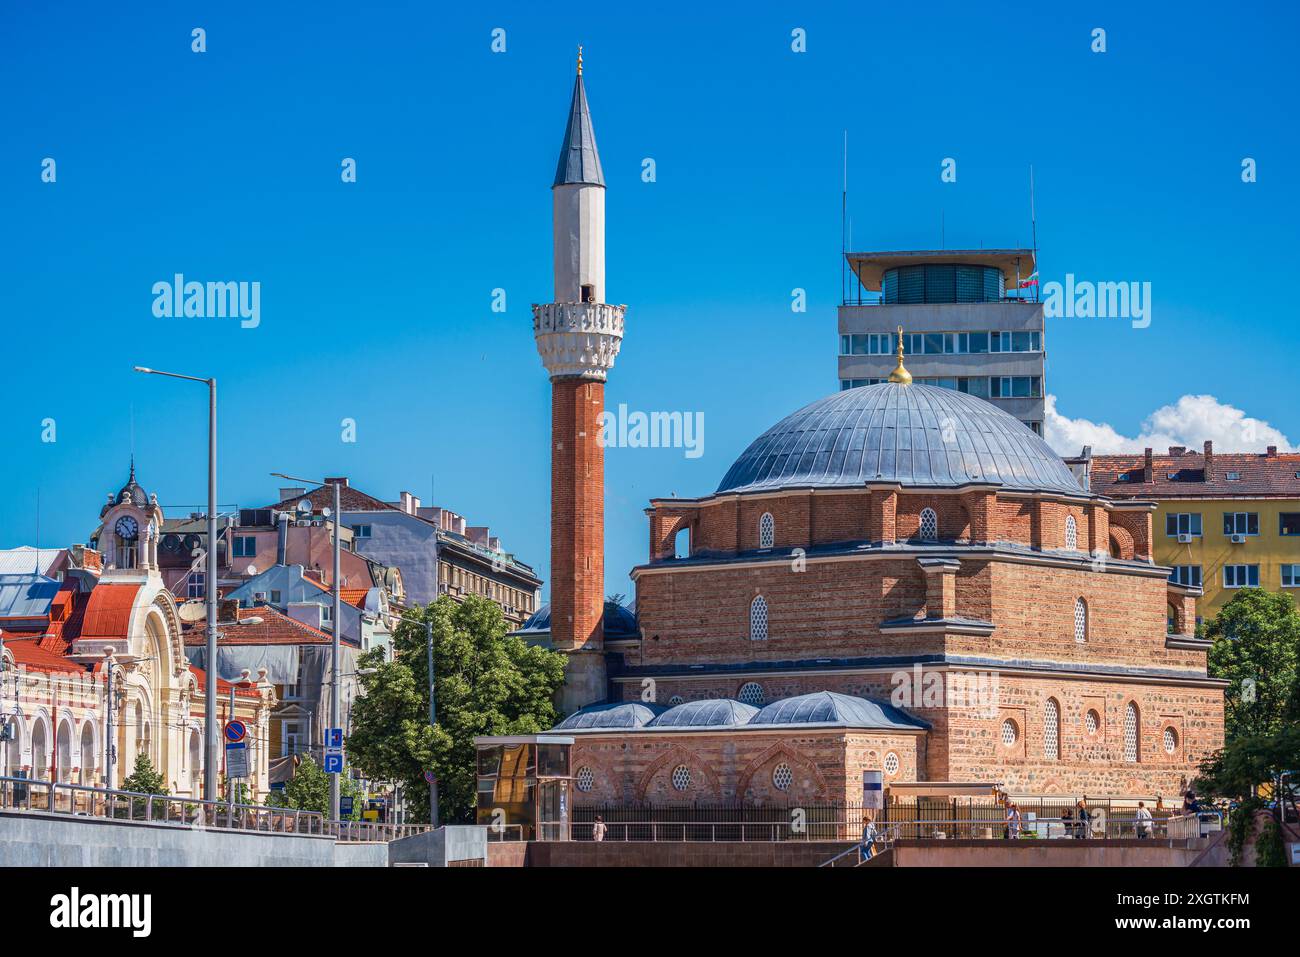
<point>915,435</point>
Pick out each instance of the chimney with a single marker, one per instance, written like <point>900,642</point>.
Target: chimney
<point>1177,450</point>
<point>1209,461</point>
<point>341,480</point>
<point>227,611</point>
<point>1146,467</point>
<point>282,538</point>
<point>292,494</point>
<point>1271,452</point>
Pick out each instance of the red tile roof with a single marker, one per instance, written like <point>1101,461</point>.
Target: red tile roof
<point>356,597</point>
<point>275,628</point>
<point>1261,475</point>
<point>108,613</point>
<point>31,653</point>
<point>350,500</point>
<point>223,686</point>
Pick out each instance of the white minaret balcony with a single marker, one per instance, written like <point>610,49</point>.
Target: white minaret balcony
<point>578,338</point>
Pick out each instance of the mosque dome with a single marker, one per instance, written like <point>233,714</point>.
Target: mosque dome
<point>708,713</point>
<point>915,435</point>
<point>838,710</point>
<point>620,714</point>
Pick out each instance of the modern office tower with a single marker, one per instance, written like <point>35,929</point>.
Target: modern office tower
<point>967,324</point>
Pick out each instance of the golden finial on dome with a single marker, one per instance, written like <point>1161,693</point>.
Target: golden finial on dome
<point>579,59</point>
<point>900,375</point>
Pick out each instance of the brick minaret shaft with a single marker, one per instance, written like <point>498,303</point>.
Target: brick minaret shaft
<point>578,336</point>
<point>577,514</point>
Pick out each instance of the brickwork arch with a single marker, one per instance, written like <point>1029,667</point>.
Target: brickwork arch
<point>669,760</point>
<point>777,753</point>
<point>1121,543</point>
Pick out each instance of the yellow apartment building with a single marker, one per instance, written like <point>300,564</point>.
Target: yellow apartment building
<point>1223,521</point>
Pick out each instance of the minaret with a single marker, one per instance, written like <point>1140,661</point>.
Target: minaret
<point>578,336</point>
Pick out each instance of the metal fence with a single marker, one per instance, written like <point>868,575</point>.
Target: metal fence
<point>719,822</point>
<point>26,794</point>
<point>949,819</point>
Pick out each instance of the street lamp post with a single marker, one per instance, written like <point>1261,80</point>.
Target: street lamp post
<point>210,740</point>
<point>336,591</point>
<point>433,721</point>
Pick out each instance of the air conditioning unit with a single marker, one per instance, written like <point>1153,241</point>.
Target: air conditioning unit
<point>1184,539</point>
<point>1239,539</point>
<point>259,596</point>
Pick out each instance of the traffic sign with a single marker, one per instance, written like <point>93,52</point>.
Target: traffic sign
<point>333,762</point>
<point>345,806</point>
<point>430,777</point>
<point>236,731</point>
<point>237,760</point>
<point>334,738</point>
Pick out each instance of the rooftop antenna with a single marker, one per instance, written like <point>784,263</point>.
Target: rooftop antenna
<point>844,215</point>
<point>1033,225</point>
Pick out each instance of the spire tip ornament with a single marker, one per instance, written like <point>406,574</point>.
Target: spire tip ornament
<point>900,375</point>
<point>579,59</point>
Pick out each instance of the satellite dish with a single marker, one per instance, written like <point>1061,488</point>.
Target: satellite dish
<point>192,611</point>
<point>304,506</point>
<point>250,570</point>
<point>325,512</point>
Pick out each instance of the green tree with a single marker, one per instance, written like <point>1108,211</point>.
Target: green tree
<point>309,790</point>
<point>1256,645</point>
<point>143,779</point>
<point>486,683</point>
<point>1242,770</point>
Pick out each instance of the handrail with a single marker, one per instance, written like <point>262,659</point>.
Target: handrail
<point>372,831</point>
<point>79,800</point>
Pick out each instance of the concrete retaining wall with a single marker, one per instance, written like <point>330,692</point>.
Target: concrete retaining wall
<point>31,839</point>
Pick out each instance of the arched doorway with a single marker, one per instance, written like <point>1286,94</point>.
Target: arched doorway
<point>194,766</point>
<point>64,750</point>
<point>40,751</point>
<point>89,754</point>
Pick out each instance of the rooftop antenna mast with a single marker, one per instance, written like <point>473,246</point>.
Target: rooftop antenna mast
<point>844,216</point>
<point>1033,226</point>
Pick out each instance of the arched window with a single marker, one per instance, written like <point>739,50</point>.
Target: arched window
<point>1131,729</point>
<point>1010,733</point>
<point>681,777</point>
<point>766,530</point>
<point>782,777</point>
<point>758,619</point>
<point>1052,730</point>
<point>929,525</point>
<point>1171,740</point>
<point>586,778</point>
<point>1080,620</point>
<point>1071,534</point>
<point>751,692</point>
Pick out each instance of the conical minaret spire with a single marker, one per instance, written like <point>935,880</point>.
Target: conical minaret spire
<point>579,158</point>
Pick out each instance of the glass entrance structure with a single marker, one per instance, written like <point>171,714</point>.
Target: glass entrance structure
<point>523,786</point>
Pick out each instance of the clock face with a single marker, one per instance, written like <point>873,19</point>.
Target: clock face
<point>126,527</point>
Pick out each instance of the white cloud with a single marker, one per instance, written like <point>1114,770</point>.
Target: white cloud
<point>1190,421</point>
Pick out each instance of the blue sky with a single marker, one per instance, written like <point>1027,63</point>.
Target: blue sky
<point>376,296</point>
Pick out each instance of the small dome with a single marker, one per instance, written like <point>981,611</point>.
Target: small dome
<point>832,708</point>
<point>620,714</point>
<point>916,435</point>
<point>620,622</point>
<point>709,713</point>
<point>138,494</point>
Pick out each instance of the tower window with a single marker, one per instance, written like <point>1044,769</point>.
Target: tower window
<point>1052,730</point>
<point>588,293</point>
<point>929,525</point>
<point>766,531</point>
<point>758,619</point>
<point>1080,620</point>
<point>1071,534</point>
<point>1131,751</point>
<point>751,692</point>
